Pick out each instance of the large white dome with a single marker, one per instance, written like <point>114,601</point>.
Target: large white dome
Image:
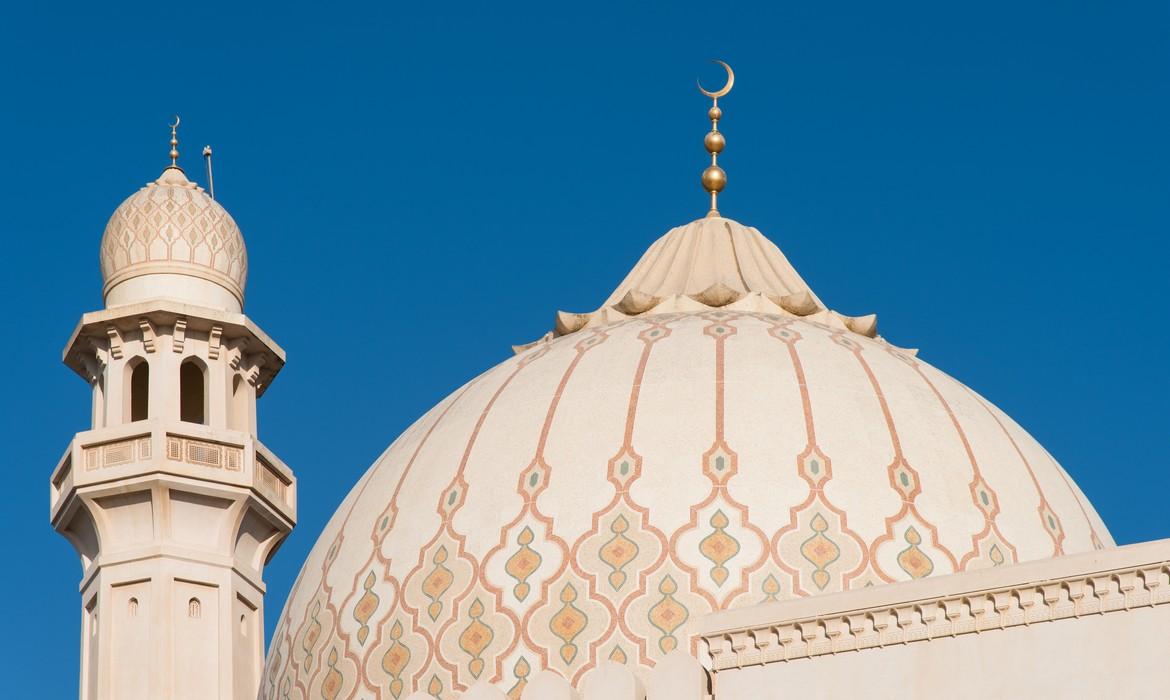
<point>674,453</point>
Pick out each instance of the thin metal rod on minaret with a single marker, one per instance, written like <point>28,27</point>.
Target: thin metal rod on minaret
<point>210,179</point>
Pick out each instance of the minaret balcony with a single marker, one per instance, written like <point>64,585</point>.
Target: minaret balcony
<point>110,459</point>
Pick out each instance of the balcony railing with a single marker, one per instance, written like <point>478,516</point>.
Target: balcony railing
<point>181,449</point>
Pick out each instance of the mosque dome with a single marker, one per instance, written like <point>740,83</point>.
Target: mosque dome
<point>712,437</point>
<point>171,239</point>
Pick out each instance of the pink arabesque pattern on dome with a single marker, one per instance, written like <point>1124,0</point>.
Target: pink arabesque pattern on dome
<point>623,586</point>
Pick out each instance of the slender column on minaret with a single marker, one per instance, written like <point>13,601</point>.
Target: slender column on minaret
<point>170,499</point>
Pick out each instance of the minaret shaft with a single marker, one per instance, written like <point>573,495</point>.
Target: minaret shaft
<point>172,502</point>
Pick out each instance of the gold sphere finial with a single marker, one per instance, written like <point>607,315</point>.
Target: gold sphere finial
<point>714,178</point>
<point>175,142</point>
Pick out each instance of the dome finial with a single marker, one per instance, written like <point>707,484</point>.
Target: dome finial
<point>175,143</point>
<point>714,179</point>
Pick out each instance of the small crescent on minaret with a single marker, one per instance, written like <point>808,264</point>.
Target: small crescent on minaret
<point>723,90</point>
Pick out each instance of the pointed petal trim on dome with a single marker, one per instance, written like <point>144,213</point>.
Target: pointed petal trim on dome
<point>709,264</point>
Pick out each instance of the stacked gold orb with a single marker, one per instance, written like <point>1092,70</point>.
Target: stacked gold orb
<point>714,178</point>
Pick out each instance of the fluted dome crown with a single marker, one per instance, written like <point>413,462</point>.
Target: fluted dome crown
<point>712,437</point>
<point>170,239</point>
<point>710,263</point>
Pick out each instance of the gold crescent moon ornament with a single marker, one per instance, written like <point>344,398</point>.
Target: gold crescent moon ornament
<point>714,178</point>
<point>175,143</point>
<point>723,90</point>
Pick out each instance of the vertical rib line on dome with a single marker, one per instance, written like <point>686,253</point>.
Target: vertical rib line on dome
<point>908,506</point>
<point>393,506</point>
<point>977,478</point>
<point>622,494</point>
<point>522,362</point>
<point>1094,537</point>
<point>391,511</point>
<point>1077,496</point>
<point>635,393</point>
<point>533,481</point>
<point>445,526</point>
<point>1044,509</point>
<point>783,332</point>
<point>720,465</point>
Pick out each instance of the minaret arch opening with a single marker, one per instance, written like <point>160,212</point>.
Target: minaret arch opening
<point>193,391</point>
<point>137,390</point>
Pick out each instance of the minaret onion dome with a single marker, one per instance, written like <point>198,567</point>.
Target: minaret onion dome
<point>171,239</point>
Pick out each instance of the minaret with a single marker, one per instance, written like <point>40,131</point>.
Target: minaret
<point>170,499</point>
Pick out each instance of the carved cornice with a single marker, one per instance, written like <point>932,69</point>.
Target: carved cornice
<point>226,332</point>
<point>908,618</point>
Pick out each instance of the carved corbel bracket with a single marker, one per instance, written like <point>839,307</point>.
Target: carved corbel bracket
<point>115,337</point>
<point>179,337</point>
<point>235,350</point>
<point>93,366</point>
<point>213,342</point>
<point>256,362</point>
<point>148,333</point>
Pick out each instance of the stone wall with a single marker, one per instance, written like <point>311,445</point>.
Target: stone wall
<point>1087,625</point>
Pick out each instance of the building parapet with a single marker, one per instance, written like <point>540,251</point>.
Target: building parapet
<point>1093,583</point>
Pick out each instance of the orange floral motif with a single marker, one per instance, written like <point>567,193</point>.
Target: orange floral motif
<point>273,665</point>
<point>820,551</point>
<point>311,635</point>
<point>523,563</point>
<point>618,551</point>
<point>333,680</point>
<point>771,588</point>
<point>912,559</point>
<point>437,582</point>
<point>668,614</point>
<point>568,623</point>
<point>475,638</point>
<point>719,547</point>
<point>395,659</point>
<point>435,686</point>
<point>365,608</point>
<point>521,671</point>
<point>617,655</point>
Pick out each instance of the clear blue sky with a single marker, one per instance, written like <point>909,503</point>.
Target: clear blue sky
<point>422,185</point>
